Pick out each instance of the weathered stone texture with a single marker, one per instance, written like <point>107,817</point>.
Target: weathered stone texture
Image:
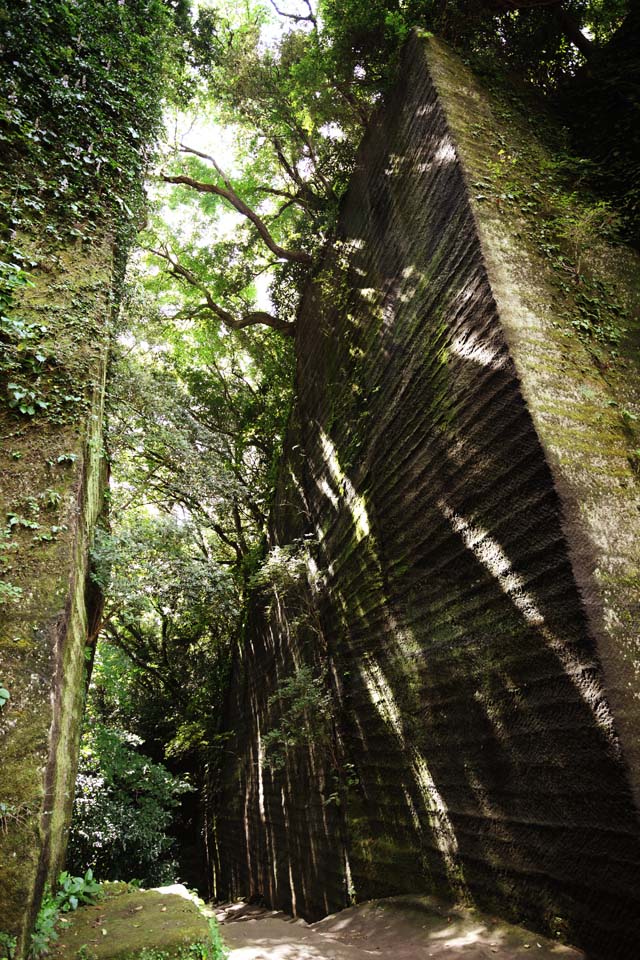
<point>467,474</point>
<point>53,474</point>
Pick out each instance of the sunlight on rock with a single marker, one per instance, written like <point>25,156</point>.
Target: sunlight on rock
<point>493,557</point>
<point>260,774</point>
<point>495,560</point>
<point>445,153</point>
<point>353,500</point>
<point>470,347</point>
<point>442,830</point>
<point>179,890</point>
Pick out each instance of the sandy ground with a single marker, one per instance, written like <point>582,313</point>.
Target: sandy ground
<point>400,928</point>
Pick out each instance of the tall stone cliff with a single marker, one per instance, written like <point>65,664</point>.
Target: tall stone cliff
<point>438,687</point>
<point>53,474</point>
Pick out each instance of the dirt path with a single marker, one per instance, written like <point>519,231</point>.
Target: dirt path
<point>400,928</point>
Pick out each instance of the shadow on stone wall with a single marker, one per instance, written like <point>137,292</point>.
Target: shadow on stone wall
<point>473,742</point>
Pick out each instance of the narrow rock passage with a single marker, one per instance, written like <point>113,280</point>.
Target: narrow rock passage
<point>400,928</point>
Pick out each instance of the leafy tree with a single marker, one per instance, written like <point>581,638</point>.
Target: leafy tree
<point>295,128</point>
<point>123,810</point>
<point>170,610</point>
<point>194,428</point>
<point>196,422</point>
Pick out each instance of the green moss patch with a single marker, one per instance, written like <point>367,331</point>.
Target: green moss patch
<point>146,924</point>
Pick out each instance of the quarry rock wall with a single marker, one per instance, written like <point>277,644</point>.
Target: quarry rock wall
<point>438,685</point>
<point>53,473</point>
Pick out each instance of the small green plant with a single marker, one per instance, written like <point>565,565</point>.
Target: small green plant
<point>51,499</point>
<point>25,400</point>
<point>9,593</point>
<point>16,520</point>
<point>44,931</point>
<point>579,222</point>
<point>5,696</point>
<point>7,946</point>
<point>305,716</point>
<point>71,893</point>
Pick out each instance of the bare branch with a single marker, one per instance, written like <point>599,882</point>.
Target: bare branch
<point>290,170</point>
<point>297,17</point>
<point>206,156</point>
<point>290,197</point>
<point>252,318</point>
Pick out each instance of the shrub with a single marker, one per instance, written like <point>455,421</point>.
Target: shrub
<point>123,809</point>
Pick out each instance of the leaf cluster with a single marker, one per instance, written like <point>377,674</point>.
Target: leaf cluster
<point>123,809</point>
<point>80,110</point>
<point>71,892</point>
<point>303,707</point>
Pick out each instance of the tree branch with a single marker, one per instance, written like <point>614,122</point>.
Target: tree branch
<point>290,197</point>
<point>234,323</point>
<point>572,31</point>
<point>297,17</point>
<point>236,547</point>
<point>143,664</point>
<point>229,194</point>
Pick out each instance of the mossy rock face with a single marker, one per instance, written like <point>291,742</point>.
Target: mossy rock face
<point>53,478</point>
<point>129,924</point>
<point>569,305</point>
<point>465,461</point>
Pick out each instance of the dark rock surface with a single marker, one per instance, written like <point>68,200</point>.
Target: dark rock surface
<point>474,579</point>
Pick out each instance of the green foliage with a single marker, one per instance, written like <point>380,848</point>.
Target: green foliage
<point>218,949</point>
<point>22,353</point>
<point>171,612</point>
<point>75,891</point>
<point>44,932</point>
<point>197,419</point>
<point>7,946</point>
<point>283,568</point>
<point>195,425</point>
<point>294,123</point>
<point>5,696</point>
<point>123,808</point>
<point>211,949</point>
<point>303,706</point>
<point>12,278</point>
<point>71,892</point>
<point>532,43</point>
<point>80,108</point>
<point>543,47</point>
<point>290,574</point>
<point>80,111</point>
<point>9,593</point>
